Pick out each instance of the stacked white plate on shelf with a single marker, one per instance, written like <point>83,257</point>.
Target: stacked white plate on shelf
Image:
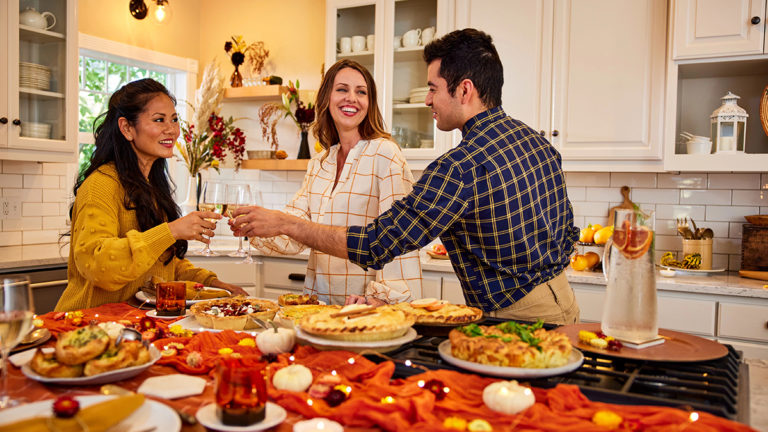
<point>35,130</point>
<point>34,76</point>
<point>418,95</point>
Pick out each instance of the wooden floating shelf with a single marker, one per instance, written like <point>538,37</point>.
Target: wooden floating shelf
<point>255,93</point>
<point>276,164</point>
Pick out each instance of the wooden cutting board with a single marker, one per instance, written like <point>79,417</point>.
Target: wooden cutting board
<point>626,204</point>
<point>753,274</point>
<point>678,347</point>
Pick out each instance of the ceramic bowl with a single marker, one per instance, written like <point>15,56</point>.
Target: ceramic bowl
<point>261,154</point>
<point>699,145</point>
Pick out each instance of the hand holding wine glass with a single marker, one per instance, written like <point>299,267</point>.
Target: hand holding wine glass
<point>214,198</point>
<point>235,190</point>
<point>16,314</point>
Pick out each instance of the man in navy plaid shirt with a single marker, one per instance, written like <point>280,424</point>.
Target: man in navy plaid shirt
<point>497,201</point>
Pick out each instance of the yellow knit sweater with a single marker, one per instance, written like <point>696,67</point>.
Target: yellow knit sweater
<point>109,259</point>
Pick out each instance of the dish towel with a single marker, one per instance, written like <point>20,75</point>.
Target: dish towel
<point>172,386</point>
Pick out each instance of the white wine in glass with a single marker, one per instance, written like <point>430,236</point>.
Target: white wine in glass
<point>16,314</point>
<point>214,200</point>
<point>233,190</point>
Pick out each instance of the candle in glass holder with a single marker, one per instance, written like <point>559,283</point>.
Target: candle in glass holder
<point>171,298</point>
<point>241,393</point>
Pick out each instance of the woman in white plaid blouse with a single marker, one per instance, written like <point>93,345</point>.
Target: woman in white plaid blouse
<point>359,175</point>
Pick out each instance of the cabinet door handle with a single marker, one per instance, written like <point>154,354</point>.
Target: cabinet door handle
<point>542,133</point>
<point>755,20</point>
<point>48,284</point>
<point>297,277</point>
<point>3,120</point>
<point>555,132</point>
<point>16,122</point>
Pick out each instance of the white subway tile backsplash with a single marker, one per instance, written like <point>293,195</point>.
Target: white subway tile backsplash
<point>55,222</point>
<point>734,181</point>
<point>31,195</point>
<point>39,209</point>
<point>54,195</point>
<point>735,229</point>
<point>666,227</point>
<point>10,238</point>
<point>23,224</point>
<point>750,197</point>
<point>666,211</point>
<point>296,176</point>
<point>576,193</point>
<point>764,181</point>
<point>726,245</point>
<point>728,213</point>
<point>596,209</point>
<point>587,179</point>
<point>286,186</point>
<point>45,251</point>
<point>40,237</point>
<point>683,181</point>
<point>55,168</point>
<point>10,253</point>
<point>720,229</point>
<point>734,262</point>
<point>21,167</point>
<point>666,243</point>
<point>717,197</point>
<point>41,181</point>
<point>579,221</point>
<point>274,176</point>
<point>657,196</point>
<point>11,181</point>
<point>720,261</point>
<point>647,180</point>
<point>603,194</point>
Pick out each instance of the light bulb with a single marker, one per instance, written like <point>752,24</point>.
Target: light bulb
<point>161,11</point>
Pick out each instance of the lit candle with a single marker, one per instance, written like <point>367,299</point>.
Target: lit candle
<point>727,144</point>
<point>318,425</point>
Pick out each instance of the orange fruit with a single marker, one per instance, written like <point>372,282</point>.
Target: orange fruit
<point>597,227</point>
<point>579,262</point>
<point>439,249</point>
<point>638,242</point>
<point>587,234</point>
<point>592,259</point>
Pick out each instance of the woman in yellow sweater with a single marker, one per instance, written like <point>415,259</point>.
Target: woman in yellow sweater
<point>126,227</point>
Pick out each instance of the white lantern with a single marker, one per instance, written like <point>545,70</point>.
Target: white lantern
<point>729,126</point>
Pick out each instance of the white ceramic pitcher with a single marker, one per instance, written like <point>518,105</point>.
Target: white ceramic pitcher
<point>33,18</point>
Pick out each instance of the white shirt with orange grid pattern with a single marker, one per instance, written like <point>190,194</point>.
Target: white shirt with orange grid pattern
<point>375,175</point>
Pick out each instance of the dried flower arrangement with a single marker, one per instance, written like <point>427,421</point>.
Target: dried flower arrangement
<point>271,113</point>
<point>256,55</point>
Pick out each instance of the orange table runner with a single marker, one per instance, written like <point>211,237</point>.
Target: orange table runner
<point>378,401</point>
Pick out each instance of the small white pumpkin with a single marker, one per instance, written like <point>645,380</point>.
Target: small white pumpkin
<point>276,340</point>
<point>295,377</point>
<point>508,397</point>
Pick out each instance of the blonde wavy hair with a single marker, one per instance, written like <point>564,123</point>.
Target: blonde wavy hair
<point>324,129</point>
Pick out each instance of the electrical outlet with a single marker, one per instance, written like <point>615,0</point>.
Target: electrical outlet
<point>10,208</point>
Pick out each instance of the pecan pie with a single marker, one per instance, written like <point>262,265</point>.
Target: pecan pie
<point>358,323</point>
<point>441,313</point>
<point>233,313</point>
<point>511,344</point>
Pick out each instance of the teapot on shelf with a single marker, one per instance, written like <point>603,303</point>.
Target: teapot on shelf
<point>32,18</point>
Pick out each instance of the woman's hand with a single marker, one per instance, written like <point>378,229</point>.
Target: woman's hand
<point>194,226</point>
<point>234,289</point>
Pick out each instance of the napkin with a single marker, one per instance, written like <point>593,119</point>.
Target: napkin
<point>172,386</point>
<point>97,417</point>
<point>24,357</point>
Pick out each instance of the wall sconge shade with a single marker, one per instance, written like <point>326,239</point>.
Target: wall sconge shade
<point>138,9</point>
<point>159,10</point>
<point>729,126</point>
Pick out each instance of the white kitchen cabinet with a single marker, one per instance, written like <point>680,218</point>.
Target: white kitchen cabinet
<point>39,84</point>
<point>701,70</point>
<point>282,276</point>
<point>396,70</point>
<point>718,28</point>
<point>745,321</point>
<point>588,74</point>
<point>229,270</point>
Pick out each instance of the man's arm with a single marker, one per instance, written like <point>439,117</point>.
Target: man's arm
<point>261,222</point>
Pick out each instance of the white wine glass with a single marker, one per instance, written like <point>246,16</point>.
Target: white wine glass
<point>16,314</point>
<point>214,199</point>
<point>245,198</point>
<point>233,191</point>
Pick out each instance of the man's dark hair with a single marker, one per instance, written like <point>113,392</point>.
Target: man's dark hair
<point>469,54</point>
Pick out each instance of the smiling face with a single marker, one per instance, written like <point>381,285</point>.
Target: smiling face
<point>446,109</point>
<point>349,101</point>
<point>154,133</point>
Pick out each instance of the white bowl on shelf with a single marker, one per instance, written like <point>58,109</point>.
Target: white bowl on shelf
<point>699,145</point>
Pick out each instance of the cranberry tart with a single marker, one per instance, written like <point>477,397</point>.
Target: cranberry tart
<point>233,313</point>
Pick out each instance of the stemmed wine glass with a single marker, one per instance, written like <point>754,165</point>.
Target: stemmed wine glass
<point>233,191</point>
<point>246,197</point>
<point>16,314</point>
<point>214,198</point>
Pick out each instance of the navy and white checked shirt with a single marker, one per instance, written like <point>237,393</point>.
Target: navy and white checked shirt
<point>497,201</point>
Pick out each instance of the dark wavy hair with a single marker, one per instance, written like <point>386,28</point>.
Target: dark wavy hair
<point>469,54</point>
<point>371,127</point>
<point>151,198</point>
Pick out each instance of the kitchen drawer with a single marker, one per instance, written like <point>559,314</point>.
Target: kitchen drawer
<point>590,303</point>
<point>430,288</point>
<point>750,350</point>
<point>286,274</point>
<point>687,315</point>
<point>743,321</point>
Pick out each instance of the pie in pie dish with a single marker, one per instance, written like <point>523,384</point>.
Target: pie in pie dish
<point>358,323</point>
<point>440,312</point>
<point>511,344</point>
<point>297,299</point>
<point>291,315</point>
<point>233,313</point>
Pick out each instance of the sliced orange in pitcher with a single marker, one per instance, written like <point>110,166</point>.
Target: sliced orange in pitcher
<point>639,239</point>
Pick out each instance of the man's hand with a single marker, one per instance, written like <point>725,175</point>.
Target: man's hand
<point>255,221</point>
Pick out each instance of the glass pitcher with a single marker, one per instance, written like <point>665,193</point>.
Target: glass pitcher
<point>630,312</point>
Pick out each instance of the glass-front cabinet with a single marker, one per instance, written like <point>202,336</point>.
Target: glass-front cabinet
<point>388,38</point>
<point>38,75</point>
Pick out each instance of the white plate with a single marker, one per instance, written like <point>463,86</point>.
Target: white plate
<point>357,346</point>
<point>697,272</point>
<point>153,314</point>
<point>103,378</point>
<point>142,297</point>
<point>274,416</point>
<point>190,323</point>
<point>150,414</point>
<point>574,361</point>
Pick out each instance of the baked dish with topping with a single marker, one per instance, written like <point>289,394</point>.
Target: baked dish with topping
<point>511,344</point>
<point>358,323</point>
<point>127,354</point>
<point>295,313</point>
<point>46,365</point>
<point>434,311</point>
<point>80,345</point>
<point>297,299</point>
<point>233,313</point>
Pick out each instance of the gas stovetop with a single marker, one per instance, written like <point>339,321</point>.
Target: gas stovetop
<point>720,387</point>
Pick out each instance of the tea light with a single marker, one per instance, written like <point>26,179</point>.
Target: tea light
<point>508,397</point>
<point>318,424</point>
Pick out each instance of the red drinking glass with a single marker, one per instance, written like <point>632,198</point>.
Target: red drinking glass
<point>171,298</point>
